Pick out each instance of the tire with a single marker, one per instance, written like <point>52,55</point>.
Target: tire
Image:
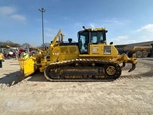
<point>129,54</point>
<point>138,54</point>
<point>144,54</point>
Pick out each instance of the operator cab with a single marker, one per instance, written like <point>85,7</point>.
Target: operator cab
<point>90,36</point>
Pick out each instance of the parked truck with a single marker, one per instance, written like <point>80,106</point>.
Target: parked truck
<point>142,51</point>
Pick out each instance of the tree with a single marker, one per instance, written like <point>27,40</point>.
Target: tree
<point>16,45</point>
<point>9,43</point>
<point>26,45</point>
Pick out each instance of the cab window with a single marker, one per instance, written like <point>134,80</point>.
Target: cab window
<point>83,42</point>
<point>97,37</point>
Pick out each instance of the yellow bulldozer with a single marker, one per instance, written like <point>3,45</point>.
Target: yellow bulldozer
<point>89,58</point>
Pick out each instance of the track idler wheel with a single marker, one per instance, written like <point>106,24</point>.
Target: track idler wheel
<point>112,71</point>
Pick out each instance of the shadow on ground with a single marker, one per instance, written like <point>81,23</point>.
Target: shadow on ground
<point>38,77</point>
<point>16,77</point>
<point>142,74</point>
<point>9,78</point>
<point>14,64</point>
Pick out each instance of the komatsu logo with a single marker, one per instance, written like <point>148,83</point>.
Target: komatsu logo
<point>55,53</point>
<point>94,50</point>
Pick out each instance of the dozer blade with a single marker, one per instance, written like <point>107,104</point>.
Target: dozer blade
<point>27,66</point>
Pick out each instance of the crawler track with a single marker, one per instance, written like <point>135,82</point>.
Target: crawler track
<point>82,70</point>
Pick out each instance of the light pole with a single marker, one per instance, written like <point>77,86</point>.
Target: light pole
<point>42,10</point>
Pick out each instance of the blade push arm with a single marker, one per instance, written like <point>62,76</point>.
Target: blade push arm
<point>55,39</point>
<point>125,59</point>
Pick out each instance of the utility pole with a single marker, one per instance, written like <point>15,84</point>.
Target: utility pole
<point>42,10</point>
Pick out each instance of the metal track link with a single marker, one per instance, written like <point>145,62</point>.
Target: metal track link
<point>71,70</point>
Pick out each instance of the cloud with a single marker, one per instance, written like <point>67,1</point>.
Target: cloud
<point>116,21</point>
<point>78,24</point>
<point>10,12</point>
<point>146,38</point>
<point>87,25</point>
<point>7,10</point>
<point>120,38</point>
<point>146,28</point>
<point>108,23</point>
<point>128,41</point>
<point>48,29</point>
<point>92,25</point>
<point>18,17</point>
<point>50,33</point>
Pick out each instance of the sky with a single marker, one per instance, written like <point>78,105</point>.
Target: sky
<point>127,21</point>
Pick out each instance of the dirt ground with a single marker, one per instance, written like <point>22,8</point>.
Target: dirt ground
<point>131,94</point>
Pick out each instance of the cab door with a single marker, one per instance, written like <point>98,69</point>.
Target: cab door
<point>83,42</point>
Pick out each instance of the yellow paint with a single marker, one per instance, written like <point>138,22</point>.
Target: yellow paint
<point>59,53</point>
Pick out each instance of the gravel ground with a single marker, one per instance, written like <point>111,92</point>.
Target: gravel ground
<point>131,94</point>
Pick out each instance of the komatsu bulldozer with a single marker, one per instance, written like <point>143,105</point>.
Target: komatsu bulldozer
<point>89,58</point>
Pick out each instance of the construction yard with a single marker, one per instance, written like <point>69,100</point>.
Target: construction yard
<point>132,93</point>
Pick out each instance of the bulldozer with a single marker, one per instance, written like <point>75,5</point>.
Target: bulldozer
<point>88,59</point>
